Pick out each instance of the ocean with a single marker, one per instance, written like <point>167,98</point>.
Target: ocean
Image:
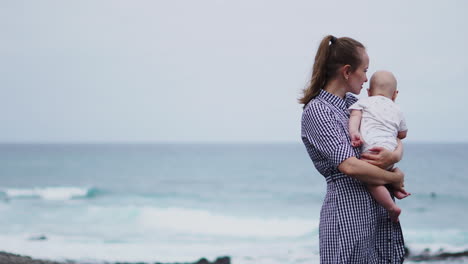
<point>257,203</point>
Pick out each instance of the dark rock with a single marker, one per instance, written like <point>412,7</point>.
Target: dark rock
<point>9,258</point>
<point>203,261</point>
<point>220,260</point>
<point>38,238</point>
<point>426,256</point>
<point>223,260</point>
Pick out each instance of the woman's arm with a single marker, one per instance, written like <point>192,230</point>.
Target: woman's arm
<point>370,174</point>
<point>382,157</point>
<point>322,129</point>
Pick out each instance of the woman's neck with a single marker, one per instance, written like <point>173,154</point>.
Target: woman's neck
<point>336,87</point>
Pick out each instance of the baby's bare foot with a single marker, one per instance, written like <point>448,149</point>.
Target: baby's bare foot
<point>401,194</point>
<point>394,212</point>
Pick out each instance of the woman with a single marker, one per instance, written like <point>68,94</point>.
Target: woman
<point>354,228</point>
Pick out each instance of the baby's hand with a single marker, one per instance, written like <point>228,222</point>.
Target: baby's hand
<point>356,139</point>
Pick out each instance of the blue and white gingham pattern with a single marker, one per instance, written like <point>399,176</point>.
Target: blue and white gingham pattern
<point>354,228</point>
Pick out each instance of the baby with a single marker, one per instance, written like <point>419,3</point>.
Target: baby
<point>376,121</point>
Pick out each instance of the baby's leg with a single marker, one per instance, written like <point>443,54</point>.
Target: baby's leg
<point>400,194</point>
<point>382,196</point>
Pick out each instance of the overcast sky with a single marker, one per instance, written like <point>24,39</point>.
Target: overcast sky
<point>213,70</point>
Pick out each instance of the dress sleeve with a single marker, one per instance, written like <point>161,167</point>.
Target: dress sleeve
<point>325,132</point>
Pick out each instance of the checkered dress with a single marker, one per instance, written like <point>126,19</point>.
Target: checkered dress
<point>354,228</point>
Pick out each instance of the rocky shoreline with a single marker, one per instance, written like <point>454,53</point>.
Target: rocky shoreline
<point>428,256</point>
<point>9,258</point>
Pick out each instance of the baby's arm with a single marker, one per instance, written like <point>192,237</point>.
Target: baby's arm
<point>402,128</point>
<point>402,134</point>
<point>354,124</point>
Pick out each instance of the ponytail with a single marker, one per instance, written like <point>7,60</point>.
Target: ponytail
<point>331,55</point>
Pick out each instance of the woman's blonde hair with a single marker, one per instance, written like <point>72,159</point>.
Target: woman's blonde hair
<point>331,55</point>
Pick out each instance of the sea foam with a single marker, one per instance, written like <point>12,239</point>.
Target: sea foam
<point>49,193</point>
<point>209,223</point>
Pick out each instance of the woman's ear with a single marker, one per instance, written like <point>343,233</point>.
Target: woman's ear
<point>346,71</point>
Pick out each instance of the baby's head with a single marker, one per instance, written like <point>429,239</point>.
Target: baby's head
<point>383,83</point>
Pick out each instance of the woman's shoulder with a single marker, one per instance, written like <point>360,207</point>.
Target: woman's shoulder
<point>350,99</point>
<point>316,109</point>
<point>316,105</point>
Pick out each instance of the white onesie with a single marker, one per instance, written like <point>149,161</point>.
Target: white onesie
<point>381,121</point>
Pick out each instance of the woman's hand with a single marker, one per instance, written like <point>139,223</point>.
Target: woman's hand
<point>383,158</point>
<point>380,157</point>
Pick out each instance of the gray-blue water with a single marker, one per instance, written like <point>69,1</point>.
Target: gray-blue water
<point>258,203</point>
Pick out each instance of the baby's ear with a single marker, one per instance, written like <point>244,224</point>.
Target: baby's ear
<point>395,94</point>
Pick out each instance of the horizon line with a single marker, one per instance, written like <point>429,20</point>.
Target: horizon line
<point>213,142</point>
